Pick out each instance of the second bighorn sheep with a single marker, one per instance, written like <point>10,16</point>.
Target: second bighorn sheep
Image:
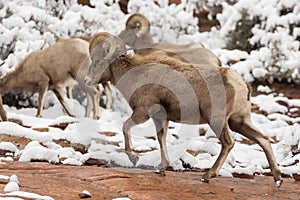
<point>3,114</point>
<point>53,68</point>
<point>137,35</point>
<point>169,89</point>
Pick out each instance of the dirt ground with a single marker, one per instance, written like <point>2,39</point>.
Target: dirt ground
<point>67,182</point>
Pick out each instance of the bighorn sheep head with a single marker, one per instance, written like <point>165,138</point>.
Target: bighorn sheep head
<point>104,49</point>
<point>104,46</point>
<point>137,31</point>
<point>139,23</point>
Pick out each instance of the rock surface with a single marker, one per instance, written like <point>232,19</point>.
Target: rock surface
<point>67,182</point>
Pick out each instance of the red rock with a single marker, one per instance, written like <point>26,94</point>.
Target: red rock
<point>296,177</point>
<point>64,181</point>
<point>243,175</point>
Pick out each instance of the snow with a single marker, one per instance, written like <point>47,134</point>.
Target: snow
<point>86,192</point>
<point>71,161</point>
<point>7,146</point>
<point>28,195</point>
<point>28,26</point>
<point>12,185</point>
<point>247,159</point>
<point>269,104</point>
<point>264,89</point>
<point>38,152</point>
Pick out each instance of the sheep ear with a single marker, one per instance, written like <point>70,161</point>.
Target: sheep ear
<point>129,51</point>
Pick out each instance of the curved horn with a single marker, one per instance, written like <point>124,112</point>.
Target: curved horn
<point>110,48</point>
<point>138,22</point>
<point>106,45</point>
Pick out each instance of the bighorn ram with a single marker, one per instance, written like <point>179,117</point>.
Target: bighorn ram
<point>167,89</point>
<point>137,35</point>
<point>53,68</point>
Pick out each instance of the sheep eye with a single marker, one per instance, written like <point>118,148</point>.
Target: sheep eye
<point>96,62</point>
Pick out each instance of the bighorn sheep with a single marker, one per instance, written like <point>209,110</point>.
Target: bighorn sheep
<point>167,89</point>
<point>137,35</point>
<point>3,115</point>
<point>53,68</point>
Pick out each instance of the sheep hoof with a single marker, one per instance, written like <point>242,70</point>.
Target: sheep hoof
<point>133,158</point>
<point>96,117</point>
<point>161,172</point>
<point>278,183</point>
<point>204,179</point>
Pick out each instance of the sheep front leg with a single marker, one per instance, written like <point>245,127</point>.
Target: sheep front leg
<point>161,130</point>
<point>96,100</point>
<point>138,116</point>
<point>43,87</point>
<point>108,93</point>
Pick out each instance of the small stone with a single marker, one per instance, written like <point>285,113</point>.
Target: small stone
<point>94,161</point>
<point>41,129</point>
<point>85,194</point>
<point>202,132</point>
<point>243,175</point>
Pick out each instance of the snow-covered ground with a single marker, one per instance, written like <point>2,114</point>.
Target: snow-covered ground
<point>103,139</point>
<point>31,25</point>
<point>193,146</point>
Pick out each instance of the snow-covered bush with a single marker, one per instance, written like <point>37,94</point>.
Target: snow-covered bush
<point>271,27</point>
<point>26,26</point>
<point>267,32</point>
<point>168,22</point>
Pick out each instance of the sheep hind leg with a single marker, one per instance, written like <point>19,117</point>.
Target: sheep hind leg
<point>93,97</point>
<point>69,92</point>
<point>89,105</point>
<point>138,116</point>
<point>161,129</point>
<point>227,144</point>
<point>246,128</point>
<point>93,102</point>
<point>59,96</point>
